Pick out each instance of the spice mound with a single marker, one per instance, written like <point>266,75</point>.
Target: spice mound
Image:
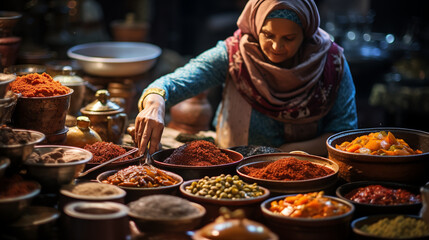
<point>377,194</point>
<point>104,151</point>
<point>224,187</point>
<point>309,205</point>
<point>378,143</point>
<point>95,189</point>
<point>165,207</point>
<point>398,227</point>
<point>198,153</point>
<point>15,186</point>
<point>140,176</point>
<point>38,85</point>
<point>287,169</point>
<point>58,155</point>
<point>10,137</point>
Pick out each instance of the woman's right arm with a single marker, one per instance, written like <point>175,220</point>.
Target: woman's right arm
<point>207,70</point>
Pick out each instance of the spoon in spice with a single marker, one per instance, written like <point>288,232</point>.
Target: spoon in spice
<point>107,162</point>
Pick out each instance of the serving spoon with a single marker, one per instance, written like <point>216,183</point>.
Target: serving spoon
<point>107,162</point>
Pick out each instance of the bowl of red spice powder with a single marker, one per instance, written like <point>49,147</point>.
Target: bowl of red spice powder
<point>290,172</point>
<point>378,197</point>
<point>43,104</point>
<point>104,151</point>
<point>197,159</point>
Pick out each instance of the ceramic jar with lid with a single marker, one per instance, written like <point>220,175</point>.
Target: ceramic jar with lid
<point>107,118</point>
<point>82,134</point>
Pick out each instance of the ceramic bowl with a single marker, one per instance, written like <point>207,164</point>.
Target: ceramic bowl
<point>96,192</point>
<point>364,209</point>
<point>329,228</point>
<point>149,224</point>
<point>357,225</point>
<point>11,208</point>
<point>18,153</point>
<point>95,220</point>
<point>115,59</point>
<point>53,175</point>
<point>36,222</point>
<point>112,166</point>
<point>8,20</point>
<point>212,206</point>
<point>134,193</point>
<point>326,183</point>
<point>362,167</point>
<point>196,172</point>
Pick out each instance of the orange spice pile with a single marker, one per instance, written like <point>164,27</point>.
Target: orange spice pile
<point>38,85</point>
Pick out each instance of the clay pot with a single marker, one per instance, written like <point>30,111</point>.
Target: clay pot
<point>129,30</point>
<point>82,134</point>
<point>191,115</point>
<point>9,47</point>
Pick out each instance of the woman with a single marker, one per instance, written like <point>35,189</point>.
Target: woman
<point>286,84</point>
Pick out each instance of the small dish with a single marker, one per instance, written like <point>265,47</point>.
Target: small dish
<point>365,209</point>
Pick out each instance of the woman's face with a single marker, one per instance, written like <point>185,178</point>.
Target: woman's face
<point>280,39</point>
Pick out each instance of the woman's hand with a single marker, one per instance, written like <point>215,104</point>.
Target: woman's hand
<point>149,123</point>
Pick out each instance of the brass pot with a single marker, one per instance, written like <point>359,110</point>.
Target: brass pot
<point>107,118</point>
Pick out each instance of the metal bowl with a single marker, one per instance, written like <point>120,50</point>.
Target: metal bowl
<point>7,106</point>
<point>4,163</point>
<point>115,59</point>
<point>53,175</point>
<point>357,225</point>
<point>36,222</point>
<point>134,193</point>
<point>363,167</point>
<point>325,183</point>
<point>166,223</point>
<point>196,172</point>
<point>5,79</point>
<point>250,150</point>
<point>18,153</point>
<point>212,206</point>
<point>11,208</point>
<point>24,69</point>
<point>328,228</point>
<point>365,209</point>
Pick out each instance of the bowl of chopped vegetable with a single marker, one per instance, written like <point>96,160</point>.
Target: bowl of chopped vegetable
<point>376,197</point>
<point>381,154</point>
<point>390,226</point>
<point>142,180</point>
<point>308,216</point>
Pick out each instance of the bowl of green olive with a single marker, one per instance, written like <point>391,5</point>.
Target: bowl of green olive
<point>225,190</point>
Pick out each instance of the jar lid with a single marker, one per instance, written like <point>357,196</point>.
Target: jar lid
<point>102,104</point>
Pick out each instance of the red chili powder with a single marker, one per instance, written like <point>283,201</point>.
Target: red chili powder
<point>15,186</point>
<point>198,153</point>
<point>38,85</point>
<point>103,151</point>
<point>287,169</point>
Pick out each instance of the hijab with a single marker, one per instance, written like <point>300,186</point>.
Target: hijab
<point>303,95</point>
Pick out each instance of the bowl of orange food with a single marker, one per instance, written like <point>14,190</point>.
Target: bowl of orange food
<point>381,154</point>
<point>142,180</point>
<point>308,216</point>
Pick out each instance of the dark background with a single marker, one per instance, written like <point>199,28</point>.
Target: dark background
<point>189,27</point>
